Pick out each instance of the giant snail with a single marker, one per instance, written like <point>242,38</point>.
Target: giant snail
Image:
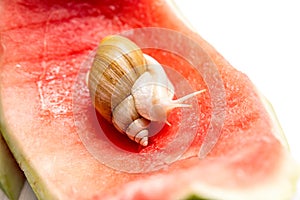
<point>130,89</point>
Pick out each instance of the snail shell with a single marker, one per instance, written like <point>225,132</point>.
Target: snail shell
<point>130,89</point>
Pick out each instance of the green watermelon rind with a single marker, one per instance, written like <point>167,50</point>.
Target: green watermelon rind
<point>195,197</point>
<point>278,130</point>
<point>11,177</point>
<point>39,187</point>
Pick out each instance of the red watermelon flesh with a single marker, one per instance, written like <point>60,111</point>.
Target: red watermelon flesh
<point>45,44</point>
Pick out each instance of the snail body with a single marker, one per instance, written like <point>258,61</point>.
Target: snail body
<point>130,89</point>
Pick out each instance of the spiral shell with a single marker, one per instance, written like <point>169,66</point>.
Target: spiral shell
<point>114,70</point>
<point>130,89</point>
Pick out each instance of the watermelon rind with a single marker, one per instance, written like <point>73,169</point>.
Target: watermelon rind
<point>277,129</point>
<point>13,172</point>
<point>195,197</point>
<point>11,177</point>
<point>38,185</point>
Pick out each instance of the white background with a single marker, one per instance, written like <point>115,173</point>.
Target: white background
<point>261,39</point>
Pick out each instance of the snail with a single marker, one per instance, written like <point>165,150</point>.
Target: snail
<point>130,89</point>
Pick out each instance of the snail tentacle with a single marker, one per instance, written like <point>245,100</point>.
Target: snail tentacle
<point>153,93</point>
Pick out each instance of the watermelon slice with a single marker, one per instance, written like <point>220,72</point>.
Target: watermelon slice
<point>46,44</point>
<point>11,177</point>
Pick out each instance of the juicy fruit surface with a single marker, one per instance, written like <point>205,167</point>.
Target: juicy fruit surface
<point>45,43</point>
